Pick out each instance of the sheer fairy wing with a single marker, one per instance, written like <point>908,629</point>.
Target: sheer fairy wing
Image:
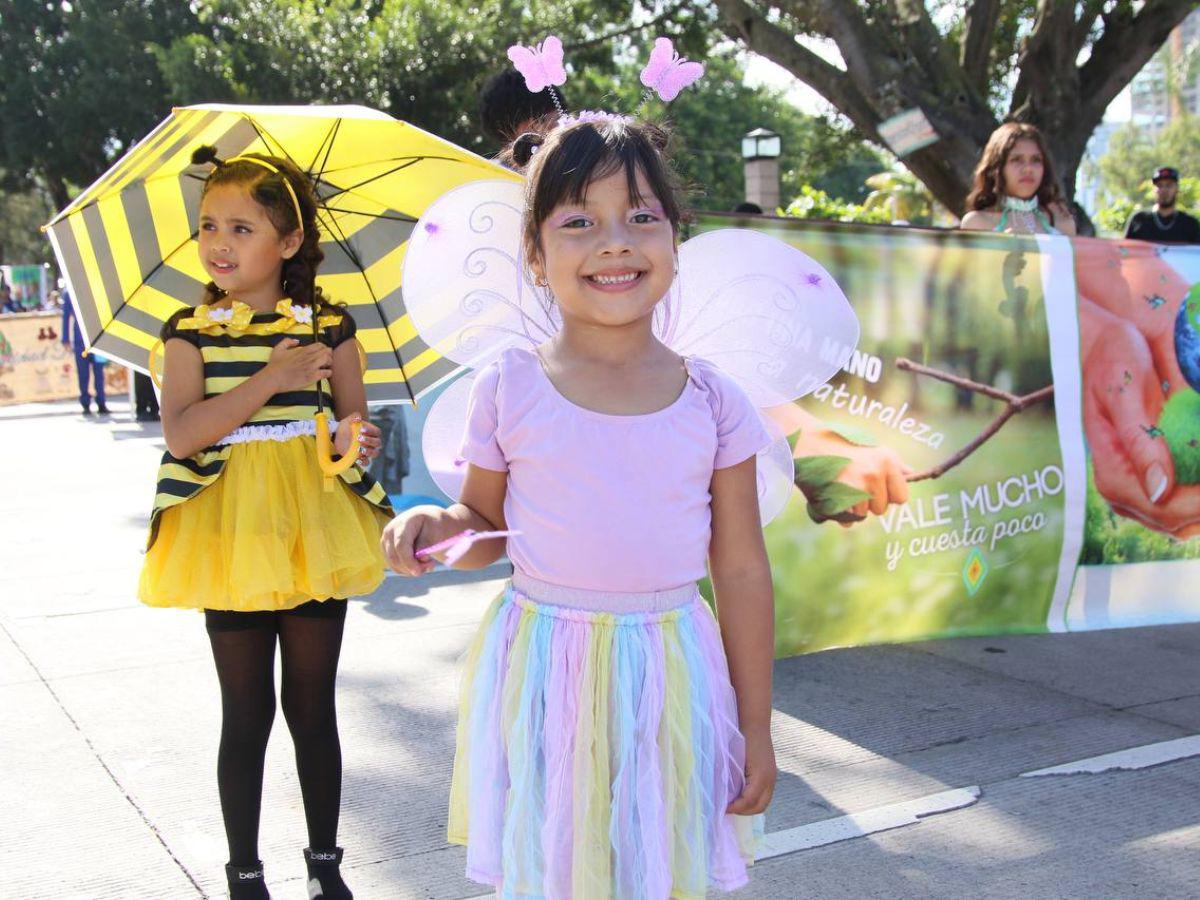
<point>465,289</point>
<point>764,312</point>
<point>761,310</point>
<point>775,472</point>
<point>443,435</point>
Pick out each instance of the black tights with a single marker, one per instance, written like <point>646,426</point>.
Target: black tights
<point>243,645</point>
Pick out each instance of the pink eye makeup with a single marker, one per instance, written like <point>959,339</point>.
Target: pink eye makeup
<point>568,218</point>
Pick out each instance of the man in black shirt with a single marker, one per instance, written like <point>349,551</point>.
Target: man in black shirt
<point>1164,224</point>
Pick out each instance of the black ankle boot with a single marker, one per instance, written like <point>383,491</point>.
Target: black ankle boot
<point>247,882</point>
<point>324,879</point>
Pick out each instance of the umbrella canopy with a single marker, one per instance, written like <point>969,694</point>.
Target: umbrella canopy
<point>127,244</point>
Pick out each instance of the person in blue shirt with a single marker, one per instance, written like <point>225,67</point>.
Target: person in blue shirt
<point>72,337</point>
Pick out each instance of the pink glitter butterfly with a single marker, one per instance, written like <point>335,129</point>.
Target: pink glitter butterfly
<point>668,73</point>
<point>542,65</point>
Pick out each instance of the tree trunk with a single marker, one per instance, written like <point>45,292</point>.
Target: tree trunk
<point>57,189</point>
<point>896,61</point>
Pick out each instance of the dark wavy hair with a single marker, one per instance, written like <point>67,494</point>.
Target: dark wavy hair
<point>988,186</point>
<point>268,190</point>
<point>560,166</point>
<point>506,104</point>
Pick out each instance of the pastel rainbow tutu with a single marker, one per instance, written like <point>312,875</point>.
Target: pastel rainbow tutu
<point>598,748</point>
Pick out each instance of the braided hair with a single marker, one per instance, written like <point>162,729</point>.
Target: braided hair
<point>269,190</point>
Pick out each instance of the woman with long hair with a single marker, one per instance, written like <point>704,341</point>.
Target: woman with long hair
<point>1015,190</point>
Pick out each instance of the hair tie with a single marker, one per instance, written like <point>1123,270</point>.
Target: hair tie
<point>287,182</point>
<point>526,146</point>
<point>205,153</point>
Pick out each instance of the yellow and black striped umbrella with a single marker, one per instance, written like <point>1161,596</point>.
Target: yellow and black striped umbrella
<point>127,244</point>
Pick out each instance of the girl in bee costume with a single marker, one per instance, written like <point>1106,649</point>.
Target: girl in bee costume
<point>245,525</point>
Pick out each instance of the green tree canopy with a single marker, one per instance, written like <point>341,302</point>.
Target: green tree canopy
<point>80,84</point>
<point>22,213</point>
<point>966,64</point>
<point>709,123</point>
<point>87,79</point>
<point>1134,153</point>
<point>424,61</point>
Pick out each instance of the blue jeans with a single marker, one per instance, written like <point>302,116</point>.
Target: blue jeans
<point>84,365</point>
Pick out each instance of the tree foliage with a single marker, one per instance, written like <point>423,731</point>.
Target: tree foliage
<point>814,203</point>
<point>422,61</point>
<point>901,196</point>
<point>709,124</point>
<point>425,61</point>
<point>87,79</point>
<point>1134,154</point>
<point>80,84</point>
<point>967,64</point>
<point>22,213</point>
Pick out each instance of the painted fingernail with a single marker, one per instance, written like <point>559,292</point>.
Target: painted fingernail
<point>1156,482</point>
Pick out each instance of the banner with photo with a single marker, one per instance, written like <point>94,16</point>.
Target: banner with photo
<point>1138,314</point>
<point>36,366</point>
<point>944,485</point>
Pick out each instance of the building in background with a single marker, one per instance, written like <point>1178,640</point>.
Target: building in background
<point>1168,86</point>
<point>1087,179</point>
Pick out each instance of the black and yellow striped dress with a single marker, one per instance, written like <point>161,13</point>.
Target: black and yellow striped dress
<point>251,523</point>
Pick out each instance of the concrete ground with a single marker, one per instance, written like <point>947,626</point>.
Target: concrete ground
<point>109,718</point>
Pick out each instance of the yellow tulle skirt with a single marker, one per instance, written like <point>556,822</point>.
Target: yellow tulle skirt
<point>266,535</point>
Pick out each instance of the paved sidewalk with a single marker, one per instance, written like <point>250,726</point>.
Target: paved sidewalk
<point>109,717</point>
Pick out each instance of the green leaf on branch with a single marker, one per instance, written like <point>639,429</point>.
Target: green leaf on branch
<point>827,498</point>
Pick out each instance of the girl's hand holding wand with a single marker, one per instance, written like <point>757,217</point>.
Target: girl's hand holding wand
<point>470,529</point>
<point>420,526</point>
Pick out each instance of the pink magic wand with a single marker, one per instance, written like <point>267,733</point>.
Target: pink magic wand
<point>455,547</point>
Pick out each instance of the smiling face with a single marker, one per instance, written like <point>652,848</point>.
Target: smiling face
<point>240,248</point>
<point>1024,169</point>
<point>610,258</point>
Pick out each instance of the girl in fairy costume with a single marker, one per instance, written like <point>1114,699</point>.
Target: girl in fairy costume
<point>245,526</point>
<point>605,748</point>
<point>613,736</point>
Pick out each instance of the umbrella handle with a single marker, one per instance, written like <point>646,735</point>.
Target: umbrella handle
<point>325,459</point>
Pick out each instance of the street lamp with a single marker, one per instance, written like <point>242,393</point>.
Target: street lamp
<point>760,143</point>
<point>760,155</point>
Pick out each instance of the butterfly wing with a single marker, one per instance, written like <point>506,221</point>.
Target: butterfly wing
<point>541,66</point>
<point>551,55</point>
<point>660,60</point>
<point>678,76</point>
<point>667,73</point>
<point>466,291</point>
<point>764,312</point>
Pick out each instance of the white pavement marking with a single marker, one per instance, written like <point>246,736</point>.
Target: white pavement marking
<point>1127,760</point>
<point>869,821</point>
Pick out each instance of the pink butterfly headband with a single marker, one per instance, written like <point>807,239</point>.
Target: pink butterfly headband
<point>666,74</point>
